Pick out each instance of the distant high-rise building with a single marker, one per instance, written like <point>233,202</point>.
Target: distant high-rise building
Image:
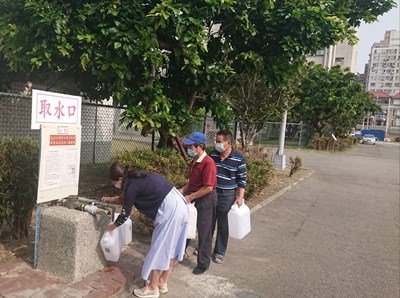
<point>341,54</point>
<point>384,64</point>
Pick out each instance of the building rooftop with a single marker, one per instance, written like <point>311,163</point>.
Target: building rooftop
<point>380,94</point>
<point>397,95</point>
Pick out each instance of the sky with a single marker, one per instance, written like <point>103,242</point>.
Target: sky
<point>370,33</point>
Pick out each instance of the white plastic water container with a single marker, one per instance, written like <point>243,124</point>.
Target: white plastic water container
<point>191,233</point>
<point>239,221</point>
<point>111,245</point>
<point>125,230</point>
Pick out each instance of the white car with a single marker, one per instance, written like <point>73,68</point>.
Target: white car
<point>369,139</point>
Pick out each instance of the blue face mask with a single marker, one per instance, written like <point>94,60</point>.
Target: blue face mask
<point>191,153</point>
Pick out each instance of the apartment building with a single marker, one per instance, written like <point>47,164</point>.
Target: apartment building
<point>383,73</point>
<point>341,54</point>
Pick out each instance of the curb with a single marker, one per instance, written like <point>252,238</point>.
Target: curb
<point>126,291</point>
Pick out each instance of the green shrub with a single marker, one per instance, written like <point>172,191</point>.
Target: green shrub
<point>328,143</point>
<point>320,143</point>
<point>18,183</point>
<point>295,165</point>
<point>259,172</point>
<point>169,164</point>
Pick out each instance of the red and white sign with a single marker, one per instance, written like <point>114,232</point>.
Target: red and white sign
<point>60,140</point>
<point>55,108</point>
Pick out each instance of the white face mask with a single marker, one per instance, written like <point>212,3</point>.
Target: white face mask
<point>220,147</point>
<point>117,186</point>
<point>191,153</point>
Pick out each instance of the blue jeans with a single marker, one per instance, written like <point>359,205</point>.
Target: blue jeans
<point>226,198</point>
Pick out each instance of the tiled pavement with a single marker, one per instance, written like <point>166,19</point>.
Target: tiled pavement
<point>19,279</point>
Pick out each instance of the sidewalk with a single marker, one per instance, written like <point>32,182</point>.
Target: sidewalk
<point>19,279</point>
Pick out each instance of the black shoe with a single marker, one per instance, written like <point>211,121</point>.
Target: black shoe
<point>199,270</point>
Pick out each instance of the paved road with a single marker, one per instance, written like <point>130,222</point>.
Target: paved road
<point>335,234</point>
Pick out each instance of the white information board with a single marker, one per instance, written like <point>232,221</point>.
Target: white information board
<point>59,161</point>
<point>55,108</point>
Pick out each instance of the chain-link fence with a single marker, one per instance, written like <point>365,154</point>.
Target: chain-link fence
<point>103,137</point>
<point>297,135</point>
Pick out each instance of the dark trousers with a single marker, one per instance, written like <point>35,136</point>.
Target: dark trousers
<point>226,198</point>
<point>205,214</point>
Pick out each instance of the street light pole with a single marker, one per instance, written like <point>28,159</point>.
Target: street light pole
<point>387,122</point>
<point>280,157</point>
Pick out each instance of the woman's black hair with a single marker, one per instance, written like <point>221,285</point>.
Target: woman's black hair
<point>118,170</point>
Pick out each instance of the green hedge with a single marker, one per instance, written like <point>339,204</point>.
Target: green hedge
<point>174,168</point>
<point>327,143</point>
<point>167,163</point>
<point>18,183</point>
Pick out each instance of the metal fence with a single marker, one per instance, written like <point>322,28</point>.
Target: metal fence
<point>297,135</point>
<point>103,137</point>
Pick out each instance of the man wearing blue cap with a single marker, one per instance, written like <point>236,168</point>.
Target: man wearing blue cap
<point>201,190</point>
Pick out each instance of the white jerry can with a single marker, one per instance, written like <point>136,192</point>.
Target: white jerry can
<point>111,245</point>
<point>112,242</point>
<point>191,233</point>
<point>125,230</point>
<point>239,221</point>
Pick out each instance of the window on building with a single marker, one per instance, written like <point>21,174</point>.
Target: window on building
<point>320,53</point>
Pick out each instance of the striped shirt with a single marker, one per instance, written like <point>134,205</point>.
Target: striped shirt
<point>231,172</point>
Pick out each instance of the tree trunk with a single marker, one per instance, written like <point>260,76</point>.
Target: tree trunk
<point>242,137</point>
<point>22,224</point>
<point>165,141</point>
<point>251,135</point>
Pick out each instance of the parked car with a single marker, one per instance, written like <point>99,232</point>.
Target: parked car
<point>369,139</point>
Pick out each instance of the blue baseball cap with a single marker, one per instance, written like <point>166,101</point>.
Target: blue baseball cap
<point>196,137</point>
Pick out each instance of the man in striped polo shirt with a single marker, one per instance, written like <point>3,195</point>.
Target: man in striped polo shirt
<point>231,183</point>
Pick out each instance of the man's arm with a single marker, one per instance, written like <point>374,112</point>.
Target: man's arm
<point>241,181</point>
<point>184,189</point>
<point>240,198</point>
<point>198,194</point>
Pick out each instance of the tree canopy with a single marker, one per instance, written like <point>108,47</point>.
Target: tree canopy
<point>163,60</point>
<point>332,100</point>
